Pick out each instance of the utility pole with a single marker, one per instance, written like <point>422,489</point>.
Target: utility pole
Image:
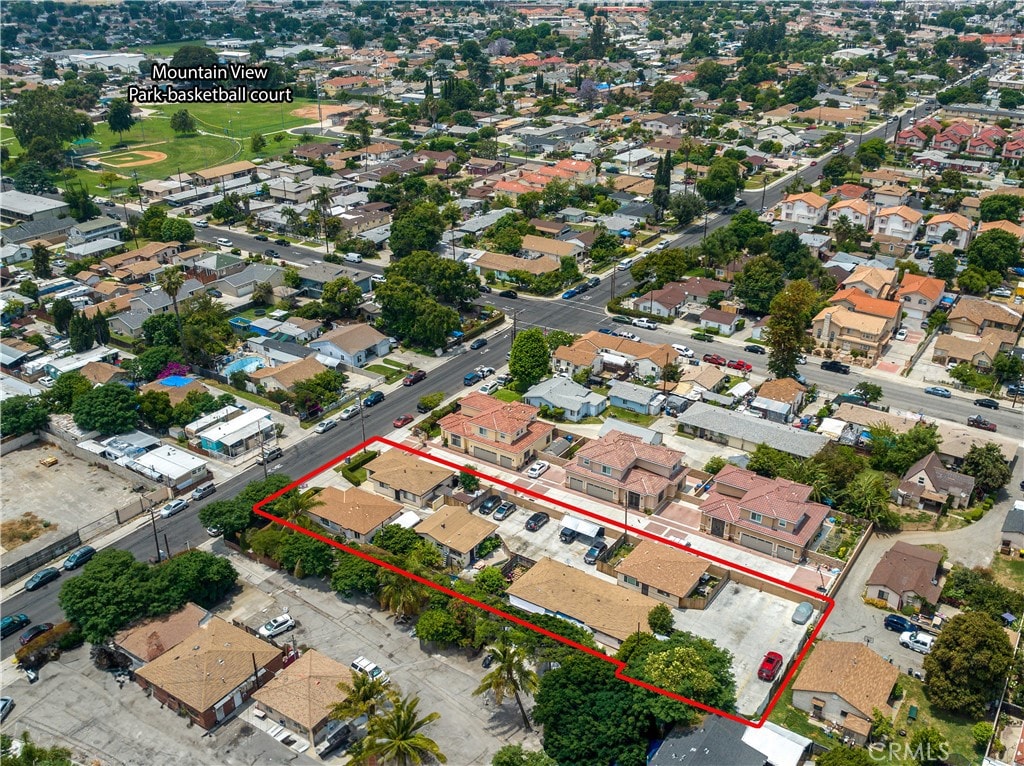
<point>156,540</point>
<point>764,190</point>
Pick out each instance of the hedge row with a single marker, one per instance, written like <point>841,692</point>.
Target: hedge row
<point>615,306</point>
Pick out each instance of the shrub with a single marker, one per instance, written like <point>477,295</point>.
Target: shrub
<point>488,546</point>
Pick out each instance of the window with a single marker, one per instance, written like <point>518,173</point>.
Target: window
<point>481,431</point>
<point>662,593</point>
<point>606,470</point>
<point>630,580</point>
<point>456,441</point>
<point>782,524</point>
<point>585,461</point>
<point>920,480</point>
<point>755,517</point>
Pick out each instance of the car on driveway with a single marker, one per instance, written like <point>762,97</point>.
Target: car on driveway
<point>770,666</point>
<point>537,520</point>
<point>683,350</point>
<point>35,632</point>
<point>917,642</point>
<point>945,393</point>
<point>803,612</point>
<point>280,624</point>
<point>402,420</point>
<point>753,348</point>
<point>739,364</point>
<point>901,334</point>
<point>489,388</point>
<point>989,404</point>
<point>538,468</point>
<point>596,551</point>
<point>979,422</point>
<point>373,398</point>
<point>349,412</point>
<point>414,377</point>
<point>79,557</point>
<point>713,359</point>
<point>606,330</point>
<point>505,510</point>
<point>478,343</point>
<point>12,623</point>
<point>897,623</point>
<point>325,425</point>
<point>175,506</point>
<point>488,505</point>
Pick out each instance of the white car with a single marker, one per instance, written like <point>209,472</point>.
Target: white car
<point>538,468</point>
<point>46,381</point>
<point>489,388</point>
<point>917,642</point>
<point>628,335</point>
<point>224,242</point>
<point>173,507</point>
<point>1002,292</point>
<point>201,225</point>
<point>277,626</point>
<point>325,425</point>
<point>349,412</point>
<point>901,334</point>
<point>484,372</point>
<point>683,350</point>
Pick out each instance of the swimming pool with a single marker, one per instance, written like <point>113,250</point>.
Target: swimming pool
<point>246,364</point>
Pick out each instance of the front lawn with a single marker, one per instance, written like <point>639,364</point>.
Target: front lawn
<point>1009,571</point>
<point>631,417</point>
<point>390,373</point>
<point>507,395</point>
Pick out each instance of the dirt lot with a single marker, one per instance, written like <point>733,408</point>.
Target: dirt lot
<point>64,496</point>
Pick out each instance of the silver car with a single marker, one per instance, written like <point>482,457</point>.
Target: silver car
<point>173,507</point>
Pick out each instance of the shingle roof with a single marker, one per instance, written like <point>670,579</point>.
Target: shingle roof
<point>563,393</point>
<point>290,373</point>
<point>850,670</point>
<point>306,690</point>
<point>978,310</point>
<point>351,338</point>
<point>666,568</point>
<point>400,470</point>
<point>909,568</point>
<point>151,638</point>
<point>355,509</point>
<point>753,430</point>
<point>456,528</point>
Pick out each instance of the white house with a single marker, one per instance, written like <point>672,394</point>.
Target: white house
<point>938,226</point>
<point>354,344</point>
<point>900,222</point>
<point>857,212</point>
<point>576,401</point>
<point>174,467</point>
<point>807,208</point>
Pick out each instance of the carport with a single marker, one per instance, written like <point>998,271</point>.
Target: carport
<point>582,527</point>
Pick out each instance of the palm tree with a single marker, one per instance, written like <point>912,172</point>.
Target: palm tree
<point>395,738</point>
<point>294,505</point>
<point>451,214</point>
<point>511,675</point>
<point>398,594</point>
<point>364,696</point>
<point>171,280</point>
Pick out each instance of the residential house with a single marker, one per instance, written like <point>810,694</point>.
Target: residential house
<point>503,265</point>
<point>599,353</point>
<point>873,281</point>
<point>575,402</point>
<point>807,208</point>
<point>221,173</point>
<point>720,740</point>
<point>245,433</point>
<point>856,211</point>
<point>947,141</point>
<point>243,283</point>
<point>949,227</point>
<point>847,192</point>
<point>611,613</point>
<point>662,572</point>
<point>208,676</point>
<point>928,485</point>
<point>981,146</point>
<point>725,322</point>
<point>503,433</point>
<point>918,295</point>
<point>635,398</point>
<point>101,373</point>
<point>900,222</point>
<point>285,376</point>
<point>176,393</point>
<point>891,195</point>
<point>456,532</point>
<point>977,351</point>
<point>16,206</point>
<point>779,399</point>
<point>1013,151</point>
<point>907,575</point>
<point>1013,529</point>
<point>545,247</point>
<point>1007,226</point>
<point>838,327</point>
<point>773,516</point>
<point>672,299</point>
<point>844,683</point>
<point>550,228</point>
<point>974,315</point>
<point>97,228</point>
<point>354,344</point>
<point>408,479</point>
<point>148,639</point>
<point>312,279</point>
<point>624,470</point>
<point>354,513</point>
<point>912,138</point>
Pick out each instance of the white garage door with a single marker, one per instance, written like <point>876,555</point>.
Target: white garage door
<point>485,454</point>
<point>756,543</point>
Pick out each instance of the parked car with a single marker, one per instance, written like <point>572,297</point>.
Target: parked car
<point>753,348</point>
<point>917,642</point>
<point>945,393</point>
<point>175,506</point>
<point>201,225</point>
<point>281,241</point>
<point>602,330</point>
<point>488,505</point>
<point>6,706</point>
<point>261,238</point>
<point>373,398</point>
<point>538,468</point>
<point>1002,292</point>
<point>224,242</point>
<point>628,335</point>
<point>989,404</point>
<point>537,520</point>
<point>572,292</point>
<point>770,666</point>
<point>596,551</point>
<point>803,612</point>
<point>505,510</point>
<point>831,365</point>
<point>79,558</point>
<point>277,626</point>
<point>1015,389</point>
<point>739,364</point>
<point>703,336</point>
<point>682,350</point>
<point>422,408</point>
<point>214,292</point>
<point>35,632</point>
<point>269,454</point>
<point>713,359</point>
<point>271,253</point>
<point>470,378</point>
<point>484,288</point>
<point>489,388</point>
<point>12,623</point>
<point>646,324</point>
<point>488,661</point>
<point>504,379</point>
<point>402,420</point>
<point>593,282</point>
<point>478,343</point>
<point>325,425</point>
<point>484,372</point>
<point>567,535</point>
<point>901,334</point>
<point>898,623</point>
<point>979,422</point>
<point>508,294</point>
<point>414,377</point>
<point>204,490</point>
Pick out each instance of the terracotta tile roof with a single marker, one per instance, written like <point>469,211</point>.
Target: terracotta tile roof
<point>929,287</point>
<point>354,509</point>
<point>151,638</point>
<point>620,450</point>
<point>483,411</point>
<point>400,470</point>
<point>863,303</point>
<point>456,528</point>
<point>856,205</point>
<point>810,198</point>
<point>306,690</point>
<point>953,219</point>
<point>564,590</point>
<point>661,566</point>
<point>850,670</point>
<point>904,212</point>
<point>845,319</point>
<point>1007,226</point>
<point>909,568</point>
<point>208,664</point>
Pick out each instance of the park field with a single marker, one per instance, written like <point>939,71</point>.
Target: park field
<point>238,120</point>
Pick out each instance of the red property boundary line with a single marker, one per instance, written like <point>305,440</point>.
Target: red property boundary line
<point>620,666</point>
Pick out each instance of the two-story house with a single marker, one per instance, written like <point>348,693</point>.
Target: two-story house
<point>974,315</point>
<point>504,433</point>
<point>773,516</point>
<point>949,227</point>
<point>1013,151</point>
<point>929,484</point>
<point>918,295</point>
<point>891,195</point>
<point>873,281</point>
<point>855,322</point>
<point>900,222</point>
<point>354,513</point>
<point>856,211</point>
<point>624,470</point>
<point>807,208</point>
<point>911,138</point>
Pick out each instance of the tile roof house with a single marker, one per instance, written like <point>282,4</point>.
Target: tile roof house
<point>504,433</point>
<point>354,513</point>
<point>609,612</point>
<point>354,344</point>
<point>806,208</point>
<point>899,222</point>
<point>929,484</point>
<point>978,351</point>
<point>891,195</point>
<point>907,575</point>
<point>838,327</point>
<point>773,516</point>
<point>873,281</point>
<point>856,211</point>
<point>918,295</point>
<point>301,696</point>
<point>844,682</point>
<point>973,315</point>
<point>1007,226</point>
<point>662,572</point>
<point>285,376</point>
<point>408,479</point>
<point>575,401</point>
<point>456,532</point>
<point>600,352</point>
<point>209,674</point>
<point>955,225</point>
<point>624,470</point>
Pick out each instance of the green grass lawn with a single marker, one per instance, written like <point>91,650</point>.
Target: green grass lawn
<point>7,139</point>
<point>390,373</point>
<point>265,403</point>
<point>1009,571</point>
<point>629,416</point>
<point>240,120</point>
<point>507,395</point>
<point>167,49</point>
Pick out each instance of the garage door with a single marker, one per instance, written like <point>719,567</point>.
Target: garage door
<point>785,553</point>
<point>485,454</point>
<point>604,493</point>
<point>765,546</point>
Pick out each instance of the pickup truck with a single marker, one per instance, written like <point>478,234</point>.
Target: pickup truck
<point>979,422</point>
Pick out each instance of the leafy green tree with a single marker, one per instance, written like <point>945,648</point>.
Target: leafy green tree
<point>529,361</point>
<point>147,365</point>
<point>836,169</point>
<point>491,580</point>
<point>195,575</point>
<point>686,207</point>
<point>985,462</point>
<point>109,409</point>
<point>183,123</point>
<point>1007,368</point>
<point>66,390</point>
<point>1001,207</point>
<point>438,625</point>
<point>514,755</point>
<point>151,223</point>
<point>995,250</point>
<point>660,620</point>
<point>969,660</point>
<point>31,754</point>
<point>29,289</point>
<point>257,143</point>
<point>944,266</point>
<point>715,464</point>
<point>844,755</point>
<point>354,576</point>
<point>315,558</point>
<point>110,592</point>
<point>397,539</point>
<point>871,153</point>
<point>364,696</point>
<point>229,516</point>
<point>768,461</point>
<point>399,594</point>
<point>171,280</point>
<point>511,675</point>
<point>42,113</point>
<point>41,261</point>
<point>32,177</point>
<point>155,410</point>
<point>759,282</point>
<point>722,181</point>
<point>80,202</point>
<point>868,497</point>
<point>161,330</point>
<point>22,415</point>
<point>871,392</point>
<point>558,338</point>
<point>177,230</point>
<point>81,333</point>
<point>395,737</point>
<point>417,228</point>
<point>786,333</point>
<point>119,117</point>
<point>447,281</point>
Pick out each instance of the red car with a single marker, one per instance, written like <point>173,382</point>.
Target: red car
<point>770,666</point>
<point>714,359</point>
<point>414,377</point>
<point>979,422</point>
<point>739,364</point>
<point>402,420</point>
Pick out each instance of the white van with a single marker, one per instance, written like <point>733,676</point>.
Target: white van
<point>647,324</point>
<point>918,642</point>
<point>353,258</point>
<point>625,264</point>
<point>204,490</point>
<point>370,669</point>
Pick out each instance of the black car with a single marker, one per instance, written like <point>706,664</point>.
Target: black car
<point>42,577</point>
<point>508,294</point>
<point>753,348</point>
<point>261,238</point>
<point>989,404</point>
<point>423,409</point>
<point>215,293</point>
<point>281,241</point>
<point>488,505</point>
<point>484,288</point>
<point>271,253</point>
<point>596,551</point>
<point>567,535</point>
<point>374,397</point>
<point>538,520</point>
<point>478,343</point>
<point>833,366</point>
<point>488,661</point>
<point>898,623</point>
